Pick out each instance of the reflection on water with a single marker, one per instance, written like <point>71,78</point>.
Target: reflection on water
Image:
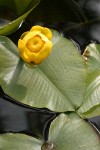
<point>81,21</point>
<point>85,32</point>
<point>91,8</point>
<point>3,22</point>
<point>95,121</point>
<point>82,34</point>
<point>7,13</point>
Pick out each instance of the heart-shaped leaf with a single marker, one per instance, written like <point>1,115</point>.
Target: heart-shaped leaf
<point>58,83</point>
<point>69,132</point>
<point>91,104</point>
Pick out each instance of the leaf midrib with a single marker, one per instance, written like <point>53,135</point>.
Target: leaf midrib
<point>55,87</point>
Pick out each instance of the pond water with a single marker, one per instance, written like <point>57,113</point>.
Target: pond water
<point>19,118</point>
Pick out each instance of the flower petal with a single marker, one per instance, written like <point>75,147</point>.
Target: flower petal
<point>35,44</point>
<point>43,37</point>
<point>47,33</point>
<point>25,57</point>
<point>45,51</point>
<point>31,55</point>
<point>21,45</point>
<point>30,34</point>
<point>22,36</point>
<point>38,28</point>
<point>43,30</point>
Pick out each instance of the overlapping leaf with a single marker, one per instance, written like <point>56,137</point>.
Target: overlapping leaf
<point>13,25</point>
<point>19,142</point>
<point>69,132</point>
<point>66,132</point>
<point>91,104</point>
<point>58,83</point>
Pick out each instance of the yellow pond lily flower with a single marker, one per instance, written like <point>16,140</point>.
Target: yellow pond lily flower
<point>35,45</point>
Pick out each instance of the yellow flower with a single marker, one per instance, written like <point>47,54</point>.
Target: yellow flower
<point>35,45</point>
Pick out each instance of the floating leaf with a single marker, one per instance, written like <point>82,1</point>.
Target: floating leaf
<point>58,83</point>
<point>69,132</point>
<point>19,142</point>
<point>92,95</point>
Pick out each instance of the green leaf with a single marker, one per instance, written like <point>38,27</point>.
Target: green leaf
<point>58,83</point>
<point>69,132</point>
<point>95,111</point>
<point>92,95</point>
<point>19,142</point>
<point>10,27</point>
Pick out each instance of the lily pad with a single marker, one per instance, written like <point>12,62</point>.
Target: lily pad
<point>19,142</point>
<point>70,132</point>
<point>91,104</point>
<point>57,84</point>
<point>67,131</point>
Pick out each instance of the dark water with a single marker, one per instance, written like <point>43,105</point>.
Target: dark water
<point>78,20</point>
<point>18,118</point>
<point>95,121</point>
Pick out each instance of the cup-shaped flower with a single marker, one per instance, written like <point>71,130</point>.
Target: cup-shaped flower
<point>35,45</point>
